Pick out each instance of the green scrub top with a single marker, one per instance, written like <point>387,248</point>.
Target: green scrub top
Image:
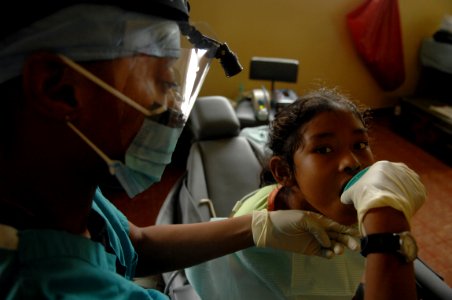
<point>51,264</point>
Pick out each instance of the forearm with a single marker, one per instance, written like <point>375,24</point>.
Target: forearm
<point>170,247</point>
<point>387,275</point>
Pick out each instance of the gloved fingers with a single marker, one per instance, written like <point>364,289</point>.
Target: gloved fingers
<point>333,226</point>
<point>310,246</point>
<point>316,229</point>
<point>346,235</point>
<point>302,222</point>
<point>351,242</point>
<point>303,232</point>
<point>338,248</point>
<point>346,197</point>
<point>327,253</point>
<point>352,231</point>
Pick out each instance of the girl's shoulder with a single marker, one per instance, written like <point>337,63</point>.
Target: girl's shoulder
<point>256,200</point>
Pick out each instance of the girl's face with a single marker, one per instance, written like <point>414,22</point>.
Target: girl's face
<point>335,147</point>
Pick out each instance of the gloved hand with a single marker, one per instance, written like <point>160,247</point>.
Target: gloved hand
<point>386,184</point>
<point>303,232</point>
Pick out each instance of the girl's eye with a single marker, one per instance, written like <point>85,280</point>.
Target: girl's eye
<point>323,150</point>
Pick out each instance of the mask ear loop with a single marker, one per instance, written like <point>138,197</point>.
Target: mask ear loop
<point>110,89</point>
<point>99,152</point>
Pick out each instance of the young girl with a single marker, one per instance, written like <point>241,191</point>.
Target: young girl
<point>318,143</point>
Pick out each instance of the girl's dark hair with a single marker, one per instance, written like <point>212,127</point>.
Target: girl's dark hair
<point>285,129</point>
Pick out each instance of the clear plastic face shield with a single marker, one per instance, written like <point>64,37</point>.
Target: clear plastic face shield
<point>162,71</point>
<point>171,93</point>
<point>167,74</point>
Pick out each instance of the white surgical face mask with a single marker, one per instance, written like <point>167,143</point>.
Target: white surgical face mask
<point>147,156</point>
<point>152,147</point>
<point>145,162</point>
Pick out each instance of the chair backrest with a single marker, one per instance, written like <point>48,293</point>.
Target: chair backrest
<point>222,166</point>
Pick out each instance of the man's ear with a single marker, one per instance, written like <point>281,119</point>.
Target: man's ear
<point>47,86</point>
<point>281,171</point>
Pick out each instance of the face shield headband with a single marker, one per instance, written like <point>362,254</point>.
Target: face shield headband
<point>173,106</point>
<point>89,32</point>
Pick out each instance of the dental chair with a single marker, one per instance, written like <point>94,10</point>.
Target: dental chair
<point>223,166</point>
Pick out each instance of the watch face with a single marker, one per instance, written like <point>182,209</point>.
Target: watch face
<point>408,246</point>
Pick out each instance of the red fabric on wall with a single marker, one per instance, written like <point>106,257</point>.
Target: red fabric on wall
<point>376,34</point>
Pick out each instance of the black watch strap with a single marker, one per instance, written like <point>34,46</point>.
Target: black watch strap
<point>380,243</point>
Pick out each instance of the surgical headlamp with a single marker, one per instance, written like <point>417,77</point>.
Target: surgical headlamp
<point>228,60</point>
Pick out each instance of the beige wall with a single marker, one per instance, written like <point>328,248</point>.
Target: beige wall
<point>314,32</point>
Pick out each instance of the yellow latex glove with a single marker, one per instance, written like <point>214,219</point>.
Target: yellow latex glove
<point>386,184</point>
<point>303,232</point>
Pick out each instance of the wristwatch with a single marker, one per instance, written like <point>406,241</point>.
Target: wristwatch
<point>402,244</point>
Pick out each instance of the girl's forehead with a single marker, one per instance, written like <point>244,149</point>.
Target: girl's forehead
<point>331,121</point>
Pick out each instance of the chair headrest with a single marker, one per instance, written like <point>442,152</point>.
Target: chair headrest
<point>213,117</point>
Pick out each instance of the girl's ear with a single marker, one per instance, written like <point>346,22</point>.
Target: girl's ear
<point>47,86</point>
<point>281,171</point>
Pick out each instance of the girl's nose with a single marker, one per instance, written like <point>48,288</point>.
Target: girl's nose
<point>350,163</point>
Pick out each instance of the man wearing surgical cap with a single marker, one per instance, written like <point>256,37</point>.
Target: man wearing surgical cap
<point>94,89</point>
